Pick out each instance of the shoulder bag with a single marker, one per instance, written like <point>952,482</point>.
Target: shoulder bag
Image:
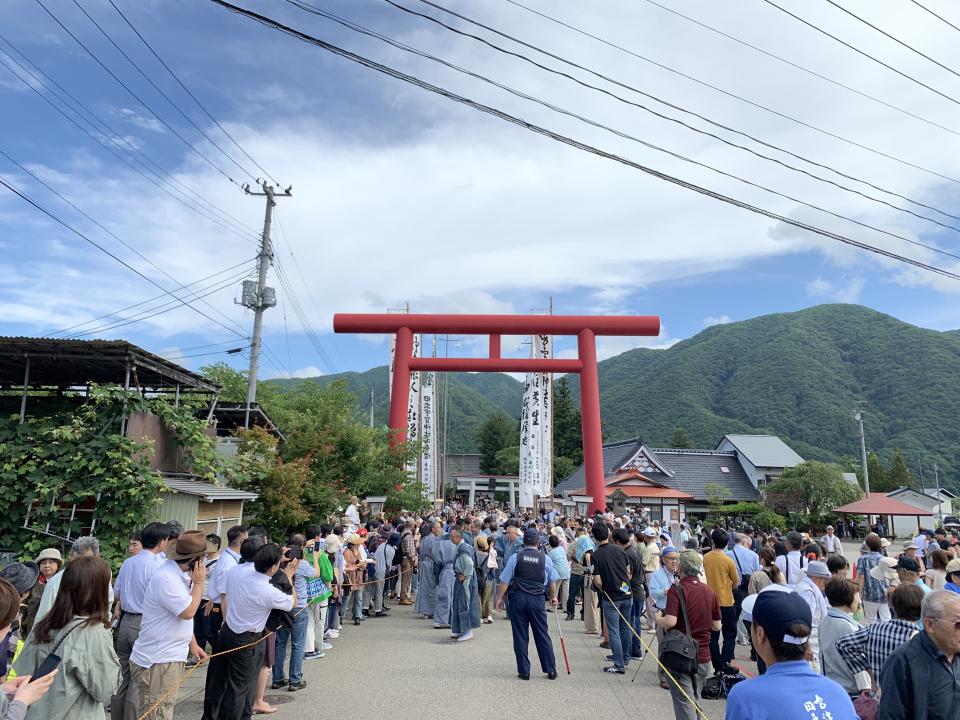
<point>740,592</point>
<point>679,651</point>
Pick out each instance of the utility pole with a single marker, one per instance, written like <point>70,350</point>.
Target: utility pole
<point>863,453</point>
<point>371,406</point>
<point>922,488</point>
<point>260,297</point>
<point>936,475</point>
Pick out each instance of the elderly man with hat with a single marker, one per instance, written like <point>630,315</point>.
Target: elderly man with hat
<point>908,573</point>
<point>814,579</point>
<point>528,576</point>
<point>790,689</point>
<point>831,543</point>
<point>171,600</point>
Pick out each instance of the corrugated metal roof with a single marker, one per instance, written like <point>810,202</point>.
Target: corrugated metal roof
<point>879,504</point>
<point>765,450</point>
<point>207,491</point>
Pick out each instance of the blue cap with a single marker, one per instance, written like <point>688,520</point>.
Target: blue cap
<point>775,612</point>
<point>531,537</point>
<point>669,549</point>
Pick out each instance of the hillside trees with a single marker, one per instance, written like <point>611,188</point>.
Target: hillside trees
<point>809,492</point>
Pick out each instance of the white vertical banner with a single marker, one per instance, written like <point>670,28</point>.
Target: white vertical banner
<point>544,350</point>
<point>428,424</point>
<point>413,406</point>
<point>526,475</point>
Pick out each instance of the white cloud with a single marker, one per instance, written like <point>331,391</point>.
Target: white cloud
<point>844,291</point>
<point>712,320</point>
<point>144,122</point>
<point>310,371</point>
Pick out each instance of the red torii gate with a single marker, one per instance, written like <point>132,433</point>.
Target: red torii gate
<point>585,327</point>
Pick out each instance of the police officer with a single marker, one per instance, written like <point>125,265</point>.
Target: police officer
<point>526,577</point>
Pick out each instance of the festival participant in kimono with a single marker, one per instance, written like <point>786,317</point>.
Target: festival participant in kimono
<point>465,610</point>
<point>444,554</point>
<point>426,582</point>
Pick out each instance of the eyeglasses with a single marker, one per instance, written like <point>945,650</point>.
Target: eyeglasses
<point>956,625</point>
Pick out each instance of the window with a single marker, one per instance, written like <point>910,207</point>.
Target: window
<point>724,469</point>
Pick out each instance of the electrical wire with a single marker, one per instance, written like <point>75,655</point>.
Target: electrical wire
<point>161,92</point>
<point>627,136</point>
<point>675,107</point>
<point>797,66</point>
<point>148,301</point>
<point>897,40</point>
<point>857,50</point>
<point>506,117</point>
<point>188,92</point>
<point>136,97</point>
<point>938,17</point>
<point>302,317</point>
<point>734,96</point>
<point>232,351</point>
<point>109,232</point>
<point>114,139</point>
<point>105,251</point>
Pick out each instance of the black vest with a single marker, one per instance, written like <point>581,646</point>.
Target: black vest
<point>530,572</point>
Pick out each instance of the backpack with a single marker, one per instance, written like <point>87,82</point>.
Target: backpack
<point>679,651</point>
<point>718,686</point>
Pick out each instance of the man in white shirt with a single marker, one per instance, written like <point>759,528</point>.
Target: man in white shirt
<point>793,562</point>
<point>249,597</point>
<point>228,559</point>
<point>166,632</point>
<point>353,512</point>
<point>921,541</point>
<point>831,543</point>
<point>132,581</point>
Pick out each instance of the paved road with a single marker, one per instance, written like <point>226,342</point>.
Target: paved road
<point>403,666</point>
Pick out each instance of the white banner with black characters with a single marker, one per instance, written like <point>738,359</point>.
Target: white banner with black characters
<point>413,404</point>
<point>428,435</point>
<point>543,346</point>
<point>527,446</point>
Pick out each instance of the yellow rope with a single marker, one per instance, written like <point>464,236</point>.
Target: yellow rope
<point>662,666</point>
<point>160,700</point>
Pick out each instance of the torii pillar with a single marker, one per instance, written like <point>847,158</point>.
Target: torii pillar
<point>585,327</point>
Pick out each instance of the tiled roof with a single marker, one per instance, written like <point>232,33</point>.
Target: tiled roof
<point>613,456</point>
<point>208,492</point>
<point>693,469</point>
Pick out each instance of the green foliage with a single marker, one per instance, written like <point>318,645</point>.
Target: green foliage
<point>879,480</point>
<point>680,439</point>
<point>496,433</point>
<point>71,457</point>
<point>567,430</point>
<point>809,492</point>
<point>508,461</point>
<point>899,474</point>
<point>563,468</point>
<point>717,494</point>
<point>759,516</point>
<point>233,383</point>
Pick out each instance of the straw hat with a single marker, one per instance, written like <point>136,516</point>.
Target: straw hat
<point>355,539</point>
<point>886,570</point>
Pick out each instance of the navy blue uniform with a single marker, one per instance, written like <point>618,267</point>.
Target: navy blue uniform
<point>528,573</point>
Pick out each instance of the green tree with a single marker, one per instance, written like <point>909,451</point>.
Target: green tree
<point>717,495</point>
<point>563,467</point>
<point>879,479</point>
<point>899,474</point>
<point>495,433</point>
<point>508,461</point>
<point>567,430</point>
<point>233,383</point>
<point>680,439</point>
<point>810,490</point>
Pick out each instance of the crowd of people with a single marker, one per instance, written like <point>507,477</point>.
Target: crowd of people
<point>879,639</point>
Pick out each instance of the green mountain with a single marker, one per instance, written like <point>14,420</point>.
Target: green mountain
<point>801,376</point>
<point>798,375</point>
<point>472,397</point>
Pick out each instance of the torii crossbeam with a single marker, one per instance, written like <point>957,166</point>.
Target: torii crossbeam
<point>585,327</point>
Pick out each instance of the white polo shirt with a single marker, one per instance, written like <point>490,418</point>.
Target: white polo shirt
<point>228,559</point>
<point>133,578</point>
<point>250,598</point>
<point>164,637</point>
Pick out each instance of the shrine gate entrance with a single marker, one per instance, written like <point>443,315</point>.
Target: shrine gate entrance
<point>585,327</point>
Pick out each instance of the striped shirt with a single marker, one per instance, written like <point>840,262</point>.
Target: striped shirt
<point>869,647</point>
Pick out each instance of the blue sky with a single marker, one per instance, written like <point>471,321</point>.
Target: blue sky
<point>401,196</point>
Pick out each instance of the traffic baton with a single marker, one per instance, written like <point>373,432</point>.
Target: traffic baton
<point>563,645</point>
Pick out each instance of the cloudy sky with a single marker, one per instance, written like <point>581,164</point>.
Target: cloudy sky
<point>402,196</point>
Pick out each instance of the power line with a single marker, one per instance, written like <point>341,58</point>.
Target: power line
<point>117,140</point>
<point>188,92</point>
<point>104,250</point>
<point>302,317</point>
<point>562,111</point>
<point>740,98</point>
<point>865,54</point>
<point>938,17</point>
<point>147,315</point>
<point>894,38</point>
<point>506,117</point>
<point>232,351</point>
<point>136,97</point>
<point>160,91</point>
<point>675,107</point>
<point>148,300</point>
<point>797,66</point>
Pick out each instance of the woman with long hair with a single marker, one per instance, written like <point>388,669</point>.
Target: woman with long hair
<point>77,629</point>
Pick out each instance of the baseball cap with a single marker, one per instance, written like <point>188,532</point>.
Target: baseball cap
<point>747,604</point>
<point>531,536</point>
<point>650,531</point>
<point>907,563</point>
<point>776,612</point>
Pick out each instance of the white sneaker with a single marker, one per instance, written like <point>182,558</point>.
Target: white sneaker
<point>466,636</point>
<point>327,646</point>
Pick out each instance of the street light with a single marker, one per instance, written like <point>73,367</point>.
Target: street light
<point>858,416</point>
